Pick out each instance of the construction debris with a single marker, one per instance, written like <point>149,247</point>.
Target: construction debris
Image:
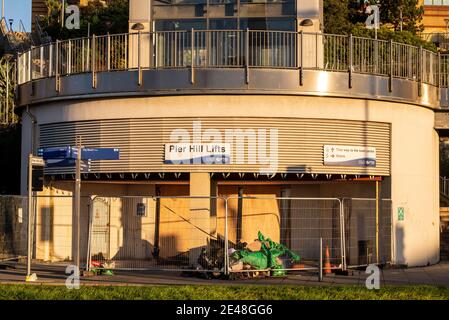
<point>102,267</point>
<point>268,257</point>
<point>262,257</point>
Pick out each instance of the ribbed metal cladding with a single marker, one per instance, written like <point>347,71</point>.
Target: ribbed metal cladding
<point>300,142</point>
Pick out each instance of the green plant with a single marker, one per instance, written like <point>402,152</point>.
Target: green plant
<point>100,18</point>
<point>7,82</point>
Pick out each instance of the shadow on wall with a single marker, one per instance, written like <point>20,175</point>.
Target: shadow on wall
<point>46,232</point>
<point>399,245</point>
<point>134,244</point>
<point>428,257</point>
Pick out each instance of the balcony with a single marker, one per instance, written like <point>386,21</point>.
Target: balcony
<point>232,61</point>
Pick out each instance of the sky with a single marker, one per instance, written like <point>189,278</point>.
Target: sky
<point>18,10</point>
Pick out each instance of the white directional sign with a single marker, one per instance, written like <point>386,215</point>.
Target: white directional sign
<point>197,153</point>
<point>349,156</point>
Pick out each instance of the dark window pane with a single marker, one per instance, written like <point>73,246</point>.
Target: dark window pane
<point>223,24</point>
<point>222,1</point>
<point>178,2</point>
<point>172,25</point>
<point>281,24</point>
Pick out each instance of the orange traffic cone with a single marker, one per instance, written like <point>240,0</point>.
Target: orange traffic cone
<point>327,262</point>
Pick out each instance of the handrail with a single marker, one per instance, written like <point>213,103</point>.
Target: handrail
<point>235,49</point>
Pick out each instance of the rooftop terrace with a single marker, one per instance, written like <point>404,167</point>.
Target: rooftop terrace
<point>233,61</point>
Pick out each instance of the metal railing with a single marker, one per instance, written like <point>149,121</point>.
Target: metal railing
<point>233,49</point>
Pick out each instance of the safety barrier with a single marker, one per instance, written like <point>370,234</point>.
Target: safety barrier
<point>233,49</point>
<point>13,228</point>
<point>218,235</point>
<point>367,224</point>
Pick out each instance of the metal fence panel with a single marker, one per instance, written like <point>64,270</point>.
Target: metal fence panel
<point>430,67</point>
<point>55,229</point>
<point>405,61</point>
<point>13,227</point>
<point>367,231</point>
<point>336,52</point>
<point>156,233</point>
<point>273,49</point>
<point>297,224</point>
<point>371,56</point>
<point>173,49</point>
<point>199,233</point>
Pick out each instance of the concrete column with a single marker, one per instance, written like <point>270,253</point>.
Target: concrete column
<point>309,17</point>
<point>200,214</point>
<point>140,13</point>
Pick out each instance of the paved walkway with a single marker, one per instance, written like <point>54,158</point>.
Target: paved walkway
<point>437,275</point>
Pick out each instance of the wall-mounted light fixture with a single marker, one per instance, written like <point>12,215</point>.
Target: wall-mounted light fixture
<point>138,26</point>
<point>306,23</point>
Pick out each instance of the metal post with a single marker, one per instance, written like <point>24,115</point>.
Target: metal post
<point>139,67</point>
<point>89,235</point>
<point>156,38</point>
<point>50,60</point>
<point>439,76</point>
<point>420,71</point>
<point>301,58</point>
<point>226,244</point>
<point>390,81</point>
<point>88,54</point>
<point>376,54</point>
<point>30,68</point>
<point>157,225</point>
<point>109,51</point>
<point>94,80</point>
<point>342,235</point>
<point>247,56</point>
<point>377,221</point>
<point>316,51</point>
<point>151,49</point>
<point>69,58</point>
<point>192,68</point>
<point>30,204</point>
<point>57,66</point>
<point>41,61</point>
<point>77,200</point>
<point>83,64</point>
<point>351,57</point>
<point>7,91</point>
<point>320,274</point>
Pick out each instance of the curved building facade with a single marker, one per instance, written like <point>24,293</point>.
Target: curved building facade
<point>289,113</point>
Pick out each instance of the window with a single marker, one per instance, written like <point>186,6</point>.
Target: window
<point>223,24</point>
<point>281,24</point>
<point>170,15</point>
<point>179,25</point>
<point>436,2</point>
